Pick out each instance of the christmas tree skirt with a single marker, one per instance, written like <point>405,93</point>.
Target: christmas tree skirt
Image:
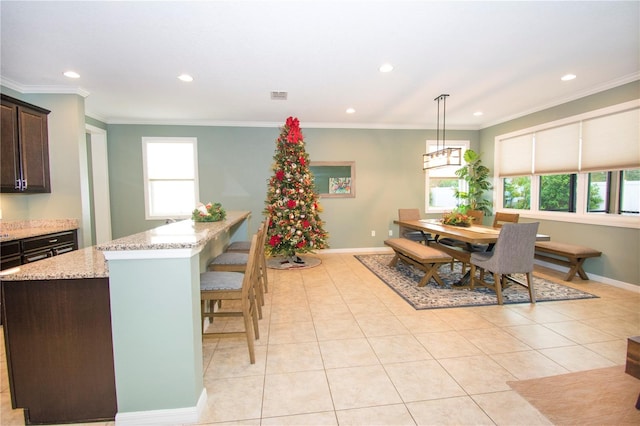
<point>298,262</point>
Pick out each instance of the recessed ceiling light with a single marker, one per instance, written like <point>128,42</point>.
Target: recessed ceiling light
<point>568,77</point>
<point>351,110</point>
<point>478,113</point>
<point>185,77</point>
<point>386,67</point>
<point>71,74</point>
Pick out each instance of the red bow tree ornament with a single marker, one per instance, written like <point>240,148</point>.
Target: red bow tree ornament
<point>292,205</point>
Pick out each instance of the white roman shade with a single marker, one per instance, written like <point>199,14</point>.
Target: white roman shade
<point>515,156</point>
<point>557,150</point>
<point>611,142</point>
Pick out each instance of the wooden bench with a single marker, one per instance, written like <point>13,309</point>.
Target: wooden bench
<point>423,257</point>
<point>569,255</point>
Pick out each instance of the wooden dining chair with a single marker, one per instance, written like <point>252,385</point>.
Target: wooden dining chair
<point>410,234</point>
<point>502,218</point>
<point>236,287</point>
<point>513,253</point>
<point>237,262</point>
<point>478,217</point>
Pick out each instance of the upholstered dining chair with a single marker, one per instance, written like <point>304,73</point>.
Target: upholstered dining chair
<point>513,253</point>
<point>412,214</point>
<point>216,286</point>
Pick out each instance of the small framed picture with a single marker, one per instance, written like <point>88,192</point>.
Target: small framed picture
<point>339,185</point>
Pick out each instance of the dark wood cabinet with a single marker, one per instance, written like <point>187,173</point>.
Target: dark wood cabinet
<point>41,247</point>
<point>24,154</point>
<point>10,254</point>
<point>59,349</point>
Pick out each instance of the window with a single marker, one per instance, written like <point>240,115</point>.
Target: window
<point>170,177</point>
<point>517,193</point>
<point>599,191</point>
<point>558,193</point>
<point>442,182</point>
<point>630,191</point>
<point>581,169</point>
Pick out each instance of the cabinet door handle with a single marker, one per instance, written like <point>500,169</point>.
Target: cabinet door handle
<point>18,184</point>
<point>24,184</point>
<point>55,240</point>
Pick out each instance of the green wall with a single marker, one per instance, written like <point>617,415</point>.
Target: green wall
<point>235,163</point>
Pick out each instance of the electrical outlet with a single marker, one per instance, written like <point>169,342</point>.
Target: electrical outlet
<point>373,233</point>
<point>391,232</point>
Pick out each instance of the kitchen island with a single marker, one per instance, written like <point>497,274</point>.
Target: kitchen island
<point>113,331</point>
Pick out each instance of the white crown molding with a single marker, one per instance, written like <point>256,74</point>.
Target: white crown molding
<point>592,91</point>
<point>43,89</point>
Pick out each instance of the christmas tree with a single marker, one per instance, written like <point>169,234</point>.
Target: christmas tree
<point>292,202</point>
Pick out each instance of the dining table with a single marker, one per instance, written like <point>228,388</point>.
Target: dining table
<point>471,237</point>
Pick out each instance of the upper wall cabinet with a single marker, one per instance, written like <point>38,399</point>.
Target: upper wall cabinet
<point>25,149</point>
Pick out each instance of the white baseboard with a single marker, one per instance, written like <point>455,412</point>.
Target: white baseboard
<point>186,415</point>
<point>604,280</point>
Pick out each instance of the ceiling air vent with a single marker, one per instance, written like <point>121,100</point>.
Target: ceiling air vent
<point>279,96</point>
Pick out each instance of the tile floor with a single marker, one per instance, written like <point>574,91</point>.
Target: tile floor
<point>338,347</point>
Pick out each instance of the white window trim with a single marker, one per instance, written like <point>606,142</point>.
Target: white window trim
<point>581,215</point>
<point>145,140</point>
<point>465,144</point>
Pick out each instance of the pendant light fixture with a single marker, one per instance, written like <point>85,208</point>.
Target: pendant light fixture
<point>445,156</point>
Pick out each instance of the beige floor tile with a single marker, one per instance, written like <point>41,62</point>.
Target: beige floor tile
<point>359,387</point>
<point>538,336</point>
<point>510,409</point>
<point>347,353</point>
<point>478,374</point>
<point>290,314</point>
<point>381,325</point>
<point>579,332</point>
<point>291,332</point>
<point>502,316</point>
<point>450,411</point>
<point>296,393</point>
<point>400,348</point>
<point>461,319</point>
<point>422,380</point>
<point>233,361</point>
<point>539,313</point>
<point>616,326</point>
<point>396,414</point>
<point>615,351</point>
<point>528,364</point>
<point>493,340</point>
<point>337,329</point>
<point>327,418</point>
<point>576,358</point>
<point>360,307</point>
<point>233,399</point>
<point>330,312</point>
<point>447,345</point>
<point>292,357</point>
<point>423,323</point>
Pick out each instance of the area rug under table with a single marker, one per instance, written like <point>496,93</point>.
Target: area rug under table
<point>404,280</point>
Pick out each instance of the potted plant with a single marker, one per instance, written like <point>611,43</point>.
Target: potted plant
<point>476,175</point>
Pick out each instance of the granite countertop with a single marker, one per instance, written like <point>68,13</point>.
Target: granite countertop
<point>20,229</point>
<point>91,263</point>
<point>83,263</point>
<point>179,235</point>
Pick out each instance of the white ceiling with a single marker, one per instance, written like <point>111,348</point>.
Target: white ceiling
<point>502,58</point>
